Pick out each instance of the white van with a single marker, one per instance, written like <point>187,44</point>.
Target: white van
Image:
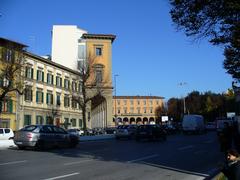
<point>193,123</point>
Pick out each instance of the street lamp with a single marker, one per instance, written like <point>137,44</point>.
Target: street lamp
<point>184,103</point>
<point>115,102</point>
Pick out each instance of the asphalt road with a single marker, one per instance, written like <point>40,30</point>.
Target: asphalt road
<point>186,157</point>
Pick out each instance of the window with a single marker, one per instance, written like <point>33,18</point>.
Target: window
<point>66,101</point>
<point>8,55</point>
<point>144,102</point>
<point>29,72</point>
<point>66,83</point>
<point>7,106</point>
<point>74,104</point>
<point>151,110</point>
<point>119,111</point>
<point>144,110</point>
<point>125,110</point>
<point>58,100</point>
<point>74,86</point>
<point>150,102</point>
<point>74,122</point>
<point>99,77</point>
<point>49,120</point>
<point>157,102</point>
<point>27,120</point>
<point>39,96</point>
<point>49,78</point>
<point>132,110</point>
<point>39,120</point>
<point>28,93</point>
<point>118,102</point>
<point>98,51</point>
<point>40,75</point>
<point>80,122</point>
<point>139,110</point>
<point>138,102</point>
<point>125,102</point>
<point>131,101</point>
<point>49,99</point>
<point>80,87</point>
<point>58,81</point>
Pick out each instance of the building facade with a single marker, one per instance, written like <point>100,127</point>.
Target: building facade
<point>72,47</point>
<point>135,109</point>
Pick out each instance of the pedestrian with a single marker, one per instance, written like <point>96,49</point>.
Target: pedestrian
<point>231,169</point>
<point>226,138</point>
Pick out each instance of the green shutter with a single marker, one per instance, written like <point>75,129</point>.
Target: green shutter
<point>37,97</point>
<point>42,97</point>
<point>10,103</point>
<point>32,73</point>
<point>47,98</point>
<point>42,76</point>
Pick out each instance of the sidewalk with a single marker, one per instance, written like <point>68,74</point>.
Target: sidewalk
<point>4,144</point>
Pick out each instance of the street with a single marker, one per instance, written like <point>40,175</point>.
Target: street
<point>180,157</point>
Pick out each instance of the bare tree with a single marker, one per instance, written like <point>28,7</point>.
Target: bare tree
<point>11,69</point>
<point>91,86</point>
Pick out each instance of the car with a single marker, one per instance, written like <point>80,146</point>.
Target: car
<point>6,134</point>
<point>193,123</point>
<point>211,126</point>
<point>170,129</point>
<point>78,132</point>
<point>150,132</point>
<point>43,137</point>
<point>125,131</point>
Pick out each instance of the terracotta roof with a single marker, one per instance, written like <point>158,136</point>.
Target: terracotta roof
<point>99,36</point>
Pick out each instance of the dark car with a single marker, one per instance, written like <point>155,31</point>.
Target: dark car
<point>125,131</point>
<point>44,136</point>
<point>150,132</point>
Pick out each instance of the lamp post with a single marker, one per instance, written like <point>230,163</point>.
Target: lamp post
<point>115,102</point>
<point>184,103</point>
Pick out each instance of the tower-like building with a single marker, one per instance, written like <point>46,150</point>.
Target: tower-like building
<point>71,47</point>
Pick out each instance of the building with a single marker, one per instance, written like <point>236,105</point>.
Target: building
<point>72,47</point>
<point>135,109</point>
<point>11,63</point>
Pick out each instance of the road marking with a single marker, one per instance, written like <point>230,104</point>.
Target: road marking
<point>185,147</point>
<point>63,176</point>
<point>77,162</point>
<point>178,170</point>
<point>143,158</point>
<point>13,162</point>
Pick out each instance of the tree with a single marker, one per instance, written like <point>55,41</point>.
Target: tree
<point>217,20</point>
<point>160,111</point>
<point>11,69</point>
<point>175,108</point>
<point>91,87</point>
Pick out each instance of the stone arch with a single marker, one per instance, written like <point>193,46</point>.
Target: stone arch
<point>138,120</point>
<point>132,120</point>
<point>145,120</point>
<point>151,120</point>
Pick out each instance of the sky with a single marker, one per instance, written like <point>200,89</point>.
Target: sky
<point>149,55</point>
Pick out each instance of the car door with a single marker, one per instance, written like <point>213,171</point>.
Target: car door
<point>1,134</point>
<point>61,136</point>
<point>47,136</point>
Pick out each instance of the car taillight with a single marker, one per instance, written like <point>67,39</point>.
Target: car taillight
<point>29,135</point>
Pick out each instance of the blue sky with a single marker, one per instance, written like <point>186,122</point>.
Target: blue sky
<point>149,55</point>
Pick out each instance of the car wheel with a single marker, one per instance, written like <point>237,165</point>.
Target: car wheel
<point>40,145</point>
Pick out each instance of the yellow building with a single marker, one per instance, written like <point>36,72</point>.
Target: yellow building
<point>135,109</point>
<point>11,64</point>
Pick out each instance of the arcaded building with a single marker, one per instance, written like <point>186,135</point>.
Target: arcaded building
<point>135,109</point>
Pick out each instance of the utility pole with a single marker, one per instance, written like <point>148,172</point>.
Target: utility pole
<point>184,103</point>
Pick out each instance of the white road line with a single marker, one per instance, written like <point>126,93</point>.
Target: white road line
<point>179,170</point>
<point>63,176</point>
<point>143,158</point>
<point>13,162</point>
<point>185,147</point>
<point>77,162</point>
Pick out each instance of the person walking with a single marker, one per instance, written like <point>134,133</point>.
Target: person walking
<point>231,170</point>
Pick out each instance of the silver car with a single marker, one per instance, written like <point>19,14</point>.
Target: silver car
<point>126,131</point>
<point>44,136</point>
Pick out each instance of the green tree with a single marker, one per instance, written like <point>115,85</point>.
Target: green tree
<point>216,20</point>
<point>175,108</point>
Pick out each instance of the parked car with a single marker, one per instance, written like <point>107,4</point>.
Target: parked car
<point>125,131</point>
<point>211,126</point>
<point>44,136</point>
<point>170,129</point>
<point>150,132</point>
<point>6,133</point>
<point>110,130</point>
<point>78,132</point>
